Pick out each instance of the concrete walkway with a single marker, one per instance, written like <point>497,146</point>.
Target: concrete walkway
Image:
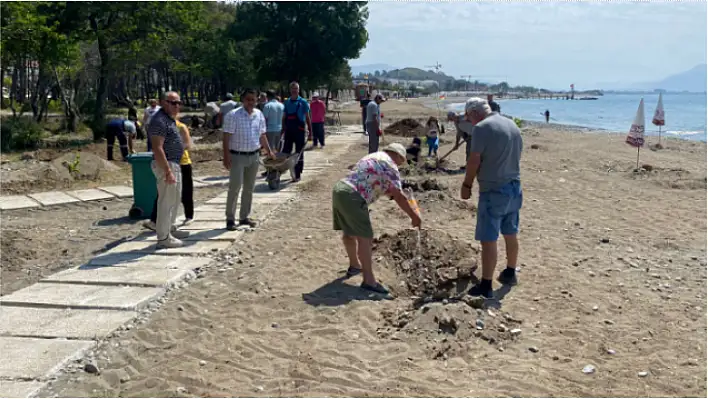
<point>48,324</point>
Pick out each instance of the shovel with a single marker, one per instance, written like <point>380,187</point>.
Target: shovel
<point>439,160</point>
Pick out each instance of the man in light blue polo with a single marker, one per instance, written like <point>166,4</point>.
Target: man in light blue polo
<point>494,159</point>
<point>273,112</point>
<point>295,117</point>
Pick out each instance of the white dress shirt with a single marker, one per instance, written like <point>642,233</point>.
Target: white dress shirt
<point>245,129</point>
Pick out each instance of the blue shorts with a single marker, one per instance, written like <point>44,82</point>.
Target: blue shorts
<point>498,211</point>
<point>433,142</point>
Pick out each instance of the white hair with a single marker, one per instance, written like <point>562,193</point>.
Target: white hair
<point>479,105</point>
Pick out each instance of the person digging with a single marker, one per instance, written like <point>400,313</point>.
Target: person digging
<point>371,177</point>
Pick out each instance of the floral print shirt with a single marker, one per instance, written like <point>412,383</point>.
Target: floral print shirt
<point>373,175</point>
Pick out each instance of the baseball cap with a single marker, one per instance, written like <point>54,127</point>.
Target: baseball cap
<point>315,94</point>
<point>396,148</point>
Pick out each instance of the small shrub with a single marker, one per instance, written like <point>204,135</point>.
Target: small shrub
<point>20,134</point>
<point>519,123</point>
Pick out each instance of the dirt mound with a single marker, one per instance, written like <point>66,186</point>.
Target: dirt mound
<point>435,202</point>
<point>204,135</point>
<point>673,178</point>
<point>431,166</point>
<point>426,184</point>
<point>406,128</point>
<point>83,165</point>
<point>431,267</point>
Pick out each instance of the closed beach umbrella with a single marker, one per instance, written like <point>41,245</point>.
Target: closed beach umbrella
<point>658,119</point>
<point>635,137</point>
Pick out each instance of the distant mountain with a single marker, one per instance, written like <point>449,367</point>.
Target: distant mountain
<point>693,80</point>
<point>370,68</point>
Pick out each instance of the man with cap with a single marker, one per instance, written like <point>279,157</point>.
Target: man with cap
<point>494,160</point>
<point>464,132</point>
<point>123,130</point>
<point>318,109</point>
<point>373,122</point>
<point>373,176</point>
<point>295,117</point>
<point>226,107</point>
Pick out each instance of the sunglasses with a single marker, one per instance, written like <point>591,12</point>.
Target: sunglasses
<point>174,102</point>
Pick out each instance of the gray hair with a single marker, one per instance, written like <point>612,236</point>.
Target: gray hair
<point>478,105</point>
<point>167,94</point>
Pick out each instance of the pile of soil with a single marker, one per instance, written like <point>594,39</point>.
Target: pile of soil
<point>436,202</point>
<point>406,128</point>
<point>204,135</point>
<point>673,178</point>
<point>84,166</point>
<point>430,166</point>
<point>430,268</point>
<point>425,184</point>
<point>435,276</point>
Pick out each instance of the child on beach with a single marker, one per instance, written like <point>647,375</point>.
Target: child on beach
<point>432,136</point>
<point>413,152</point>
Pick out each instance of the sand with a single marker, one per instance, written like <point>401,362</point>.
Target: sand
<point>612,275</point>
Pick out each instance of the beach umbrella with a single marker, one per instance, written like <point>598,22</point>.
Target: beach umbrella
<point>635,137</point>
<point>658,119</point>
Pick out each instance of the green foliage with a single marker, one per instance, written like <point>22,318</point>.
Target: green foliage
<point>21,133</point>
<point>73,166</point>
<point>519,122</point>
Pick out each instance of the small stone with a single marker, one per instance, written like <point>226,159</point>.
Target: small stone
<point>181,390</point>
<point>643,373</point>
<point>125,379</point>
<point>576,264</point>
<point>221,270</point>
<point>270,253</point>
<point>655,275</point>
<point>591,273</point>
<point>605,240</point>
<point>202,363</point>
<point>308,237</point>
<point>259,388</point>
<point>608,322</point>
<point>589,369</point>
<point>611,352</point>
<point>516,331</point>
<point>445,301</point>
<point>533,349</point>
<point>595,308</point>
<point>490,313</point>
<point>180,308</point>
<point>275,325</point>
<point>91,368</point>
<point>476,302</point>
<point>502,328</point>
<point>479,324</point>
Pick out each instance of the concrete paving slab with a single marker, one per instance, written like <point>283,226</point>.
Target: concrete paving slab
<point>61,323</point>
<point>220,234</point>
<point>91,194</point>
<point>50,198</point>
<point>206,215</point>
<point>139,260</point>
<point>206,224</point>
<point>19,389</point>
<point>118,191</point>
<point>82,296</point>
<point>9,202</point>
<point>34,358</point>
<point>158,274</point>
<point>191,248</point>
<point>213,180</point>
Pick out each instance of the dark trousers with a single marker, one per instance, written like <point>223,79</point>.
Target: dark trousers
<point>295,137</point>
<point>318,133</point>
<point>363,119</point>
<point>187,194</point>
<point>113,132</point>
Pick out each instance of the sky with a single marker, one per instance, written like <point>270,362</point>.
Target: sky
<point>548,44</point>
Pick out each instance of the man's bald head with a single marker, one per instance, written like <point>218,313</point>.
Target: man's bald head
<point>171,103</point>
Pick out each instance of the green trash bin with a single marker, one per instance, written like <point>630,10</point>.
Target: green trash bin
<point>144,185</point>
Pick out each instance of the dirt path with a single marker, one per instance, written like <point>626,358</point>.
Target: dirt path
<point>603,283</point>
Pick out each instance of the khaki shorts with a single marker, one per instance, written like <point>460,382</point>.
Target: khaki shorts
<point>350,214</point>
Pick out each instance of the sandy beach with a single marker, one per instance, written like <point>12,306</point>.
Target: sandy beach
<point>613,276</point>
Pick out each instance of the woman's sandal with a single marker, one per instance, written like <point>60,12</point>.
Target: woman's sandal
<point>353,271</point>
<point>378,288</point>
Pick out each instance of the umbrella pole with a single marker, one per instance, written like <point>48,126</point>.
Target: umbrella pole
<point>637,157</point>
<point>659,134</point>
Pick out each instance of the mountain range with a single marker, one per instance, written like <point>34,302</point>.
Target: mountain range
<point>693,80</point>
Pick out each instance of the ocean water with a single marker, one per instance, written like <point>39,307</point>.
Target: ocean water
<point>685,114</point>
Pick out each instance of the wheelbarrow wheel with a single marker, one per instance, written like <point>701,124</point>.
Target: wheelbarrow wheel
<point>273,179</point>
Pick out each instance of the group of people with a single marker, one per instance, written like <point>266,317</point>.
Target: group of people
<point>494,146</point>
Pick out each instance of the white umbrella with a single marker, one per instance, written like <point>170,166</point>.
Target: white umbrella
<point>658,119</point>
<point>635,137</point>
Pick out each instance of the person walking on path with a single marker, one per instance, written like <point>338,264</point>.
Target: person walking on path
<point>371,177</point>
<point>226,107</point>
<point>495,157</point>
<point>262,99</point>
<point>373,122</point>
<point>363,104</point>
<point>150,111</point>
<point>295,117</point>
<point>167,147</point>
<point>319,109</point>
<point>123,130</point>
<point>244,136</point>
<point>185,165</point>
<point>547,114</point>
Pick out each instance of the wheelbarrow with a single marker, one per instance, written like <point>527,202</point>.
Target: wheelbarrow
<point>276,167</point>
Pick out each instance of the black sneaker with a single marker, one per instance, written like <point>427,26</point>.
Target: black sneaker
<point>478,290</point>
<point>507,277</point>
<point>230,225</point>
<point>247,222</point>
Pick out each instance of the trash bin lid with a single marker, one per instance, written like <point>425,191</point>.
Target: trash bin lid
<point>140,157</point>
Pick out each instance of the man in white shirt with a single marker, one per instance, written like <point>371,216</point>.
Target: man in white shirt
<point>150,111</point>
<point>244,136</point>
<point>226,107</point>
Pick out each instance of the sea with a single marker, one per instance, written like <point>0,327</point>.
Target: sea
<point>685,113</point>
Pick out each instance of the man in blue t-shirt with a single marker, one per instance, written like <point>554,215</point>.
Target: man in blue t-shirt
<point>296,115</point>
